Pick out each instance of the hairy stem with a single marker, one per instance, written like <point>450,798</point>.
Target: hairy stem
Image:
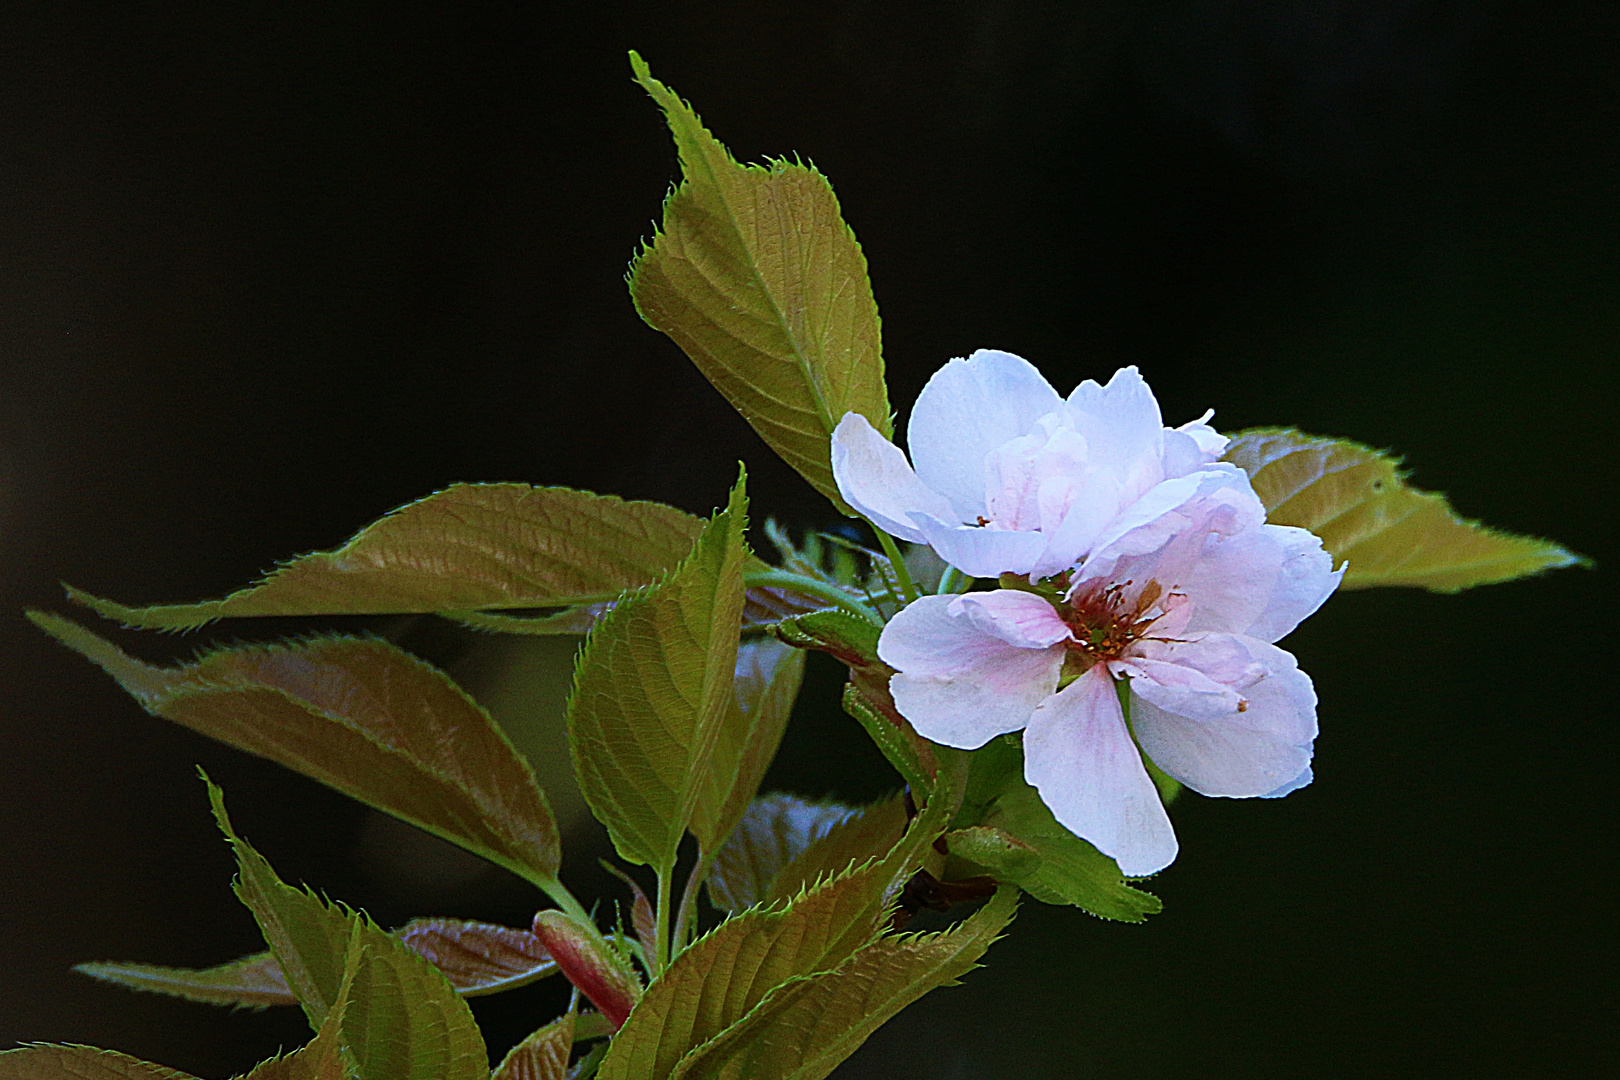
<point>809,586</point>
<point>902,572</point>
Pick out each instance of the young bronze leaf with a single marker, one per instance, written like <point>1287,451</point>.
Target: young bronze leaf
<point>803,1029</point>
<point>721,977</point>
<point>55,1061</point>
<point>477,958</point>
<point>365,718</point>
<point>1357,501</point>
<point>593,965</point>
<point>253,982</point>
<point>757,278</point>
<point>774,829</point>
<point>868,832</point>
<point>397,1016</point>
<point>768,675</point>
<point>541,1056</point>
<point>468,547</point>
<point>653,691</point>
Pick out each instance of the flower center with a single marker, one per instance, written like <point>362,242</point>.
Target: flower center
<point>1105,623</point>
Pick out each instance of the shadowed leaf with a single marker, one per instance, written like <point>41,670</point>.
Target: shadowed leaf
<point>541,1056</point>
<point>757,278</point>
<point>768,675</point>
<point>653,692</point>
<point>477,958</point>
<point>55,1061</point>
<point>467,547</point>
<point>364,717</point>
<point>1357,501</point>
<point>803,1029</point>
<point>397,1017</point>
<point>868,832</point>
<point>773,830</point>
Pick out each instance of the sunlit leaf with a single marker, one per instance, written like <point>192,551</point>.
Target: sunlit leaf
<point>365,718</point>
<point>653,691</point>
<point>768,675</point>
<point>55,1061</point>
<point>775,829</point>
<point>1358,502</point>
<point>803,1029</point>
<point>721,977</point>
<point>541,1056</point>
<point>477,958</point>
<point>853,642</point>
<point>468,547</point>
<point>398,1018</point>
<point>756,276</point>
<point>1068,870</point>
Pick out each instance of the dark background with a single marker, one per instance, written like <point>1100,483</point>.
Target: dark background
<point>270,270</point>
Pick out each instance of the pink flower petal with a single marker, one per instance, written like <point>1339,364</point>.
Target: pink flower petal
<point>1080,757</point>
<point>1257,749</point>
<point>1122,423</point>
<point>874,477</point>
<point>982,552</point>
<point>969,408</point>
<point>1260,583</point>
<point>1018,618</point>
<point>957,684</point>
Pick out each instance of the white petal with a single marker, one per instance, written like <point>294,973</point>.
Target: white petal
<point>969,408</point>
<point>1171,524</point>
<point>1094,505</point>
<point>958,685</point>
<point>982,552</point>
<point>874,477</point>
<point>1121,421</point>
<point>1080,757</point>
<point>1018,618</point>
<point>1256,751</point>
<point>1260,582</point>
<point>1302,780</point>
<point>1210,442</point>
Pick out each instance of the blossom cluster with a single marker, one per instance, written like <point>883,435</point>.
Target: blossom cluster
<point>1134,569</point>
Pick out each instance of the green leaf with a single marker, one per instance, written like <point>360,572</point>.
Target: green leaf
<point>55,1061</point>
<point>364,717</point>
<point>541,1056</point>
<point>1004,855</point>
<point>757,278</point>
<point>398,1018</point>
<point>862,835</point>
<point>477,958</point>
<point>1357,501</point>
<point>253,982</point>
<point>653,691</point>
<point>324,1057</point>
<point>468,547</point>
<point>721,977</point>
<point>1068,871</point>
<point>773,831</point>
<point>768,675</point>
<point>853,642</point>
<point>802,1030</point>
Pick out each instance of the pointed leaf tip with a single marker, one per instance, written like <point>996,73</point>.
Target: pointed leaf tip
<point>757,278</point>
<point>1357,500</point>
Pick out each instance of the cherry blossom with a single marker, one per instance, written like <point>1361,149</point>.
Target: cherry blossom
<point>1009,476</point>
<point>1181,600</point>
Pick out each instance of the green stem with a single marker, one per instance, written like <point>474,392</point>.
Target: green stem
<point>660,956</point>
<point>953,581</point>
<point>901,572</point>
<point>694,882</point>
<point>587,1066</point>
<point>809,586</point>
